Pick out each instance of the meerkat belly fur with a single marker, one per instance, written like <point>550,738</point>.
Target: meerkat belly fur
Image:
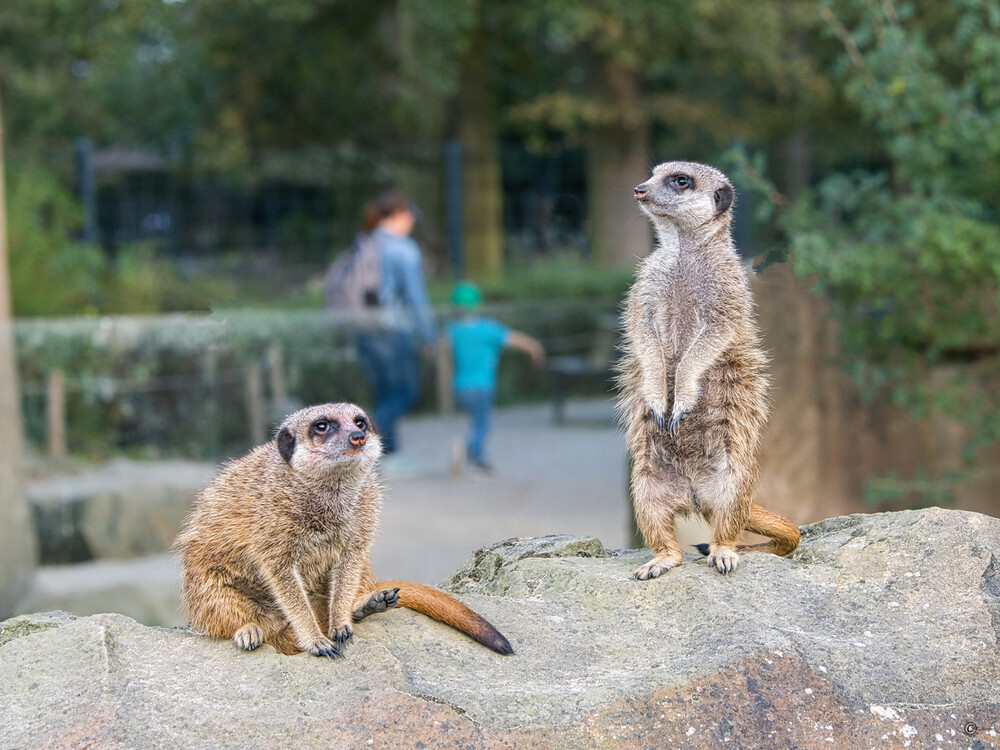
<point>693,377</point>
<point>276,549</point>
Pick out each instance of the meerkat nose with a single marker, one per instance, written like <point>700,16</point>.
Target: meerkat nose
<point>640,191</point>
<point>357,438</point>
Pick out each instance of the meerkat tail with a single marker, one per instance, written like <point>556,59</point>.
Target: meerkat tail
<point>443,608</point>
<point>784,534</point>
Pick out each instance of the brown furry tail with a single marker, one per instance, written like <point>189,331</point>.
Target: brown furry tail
<point>784,534</point>
<point>443,608</point>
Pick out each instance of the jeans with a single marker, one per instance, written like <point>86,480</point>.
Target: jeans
<point>392,367</point>
<point>477,403</point>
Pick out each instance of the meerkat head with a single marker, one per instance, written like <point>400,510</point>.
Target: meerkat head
<point>329,438</point>
<point>687,195</point>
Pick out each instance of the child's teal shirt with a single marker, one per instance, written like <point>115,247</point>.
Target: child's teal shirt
<point>476,344</point>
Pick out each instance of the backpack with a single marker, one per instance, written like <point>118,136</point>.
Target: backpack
<point>353,280</point>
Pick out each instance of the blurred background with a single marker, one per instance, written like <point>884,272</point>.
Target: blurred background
<point>179,174</point>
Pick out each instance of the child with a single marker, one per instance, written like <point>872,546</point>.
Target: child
<point>476,343</point>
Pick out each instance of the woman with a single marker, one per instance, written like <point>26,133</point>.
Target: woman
<point>390,356</point>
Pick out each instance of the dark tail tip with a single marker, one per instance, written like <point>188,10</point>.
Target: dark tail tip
<point>702,548</point>
<point>493,639</point>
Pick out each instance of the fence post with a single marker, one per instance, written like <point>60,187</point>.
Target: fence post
<point>255,404</point>
<point>55,413</point>
<point>213,410</point>
<point>442,369</point>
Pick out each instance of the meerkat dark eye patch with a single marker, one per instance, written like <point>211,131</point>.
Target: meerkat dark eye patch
<point>723,198</point>
<point>681,182</point>
<point>361,423</point>
<point>286,444</point>
<point>323,427</point>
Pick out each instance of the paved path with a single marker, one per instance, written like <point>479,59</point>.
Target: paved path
<point>547,479</point>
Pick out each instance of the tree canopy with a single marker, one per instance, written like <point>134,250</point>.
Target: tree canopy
<point>874,125</point>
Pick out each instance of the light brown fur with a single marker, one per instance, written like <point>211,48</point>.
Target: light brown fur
<point>693,377</point>
<point>276,549</point>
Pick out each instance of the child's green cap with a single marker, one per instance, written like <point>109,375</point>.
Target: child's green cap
<point>465,294</point>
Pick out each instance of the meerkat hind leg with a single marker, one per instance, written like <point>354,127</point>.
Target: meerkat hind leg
<point>724,496</point>
<point>246,617</point>
<point>249,637</point>
<point>658,494</point>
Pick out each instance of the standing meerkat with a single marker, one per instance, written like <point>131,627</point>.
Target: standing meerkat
<point>276,548</point>
<point>693,377</point>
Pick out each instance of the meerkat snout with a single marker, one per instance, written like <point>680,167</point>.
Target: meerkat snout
<point>641,191</point>
<point>357,439</point>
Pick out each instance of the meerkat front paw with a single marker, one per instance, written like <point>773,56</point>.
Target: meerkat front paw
<point>655,567</point>
<point>379,601</point>
<point>658,412</point>
<point>675,420</point>
<point>249,637</point>
<point>324,647</point>
<point>723,559</point>
<point>685,399</point>
<point>340,636</point>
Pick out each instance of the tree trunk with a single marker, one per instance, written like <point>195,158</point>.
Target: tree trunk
<point>482,179</point>
<point>17,549</point>
<point>618,159</point>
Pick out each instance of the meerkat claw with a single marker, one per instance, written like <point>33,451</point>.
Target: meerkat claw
<point>340,636</point>
<point>659,419</point>
<point>724,561</point>
<point>653,569</point>
<point>249,637</point>
<point>324,647</point>
<point>674,421</point>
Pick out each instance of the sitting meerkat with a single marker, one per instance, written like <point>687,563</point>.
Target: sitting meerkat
<point>693,377</point>
<point>276,548</point>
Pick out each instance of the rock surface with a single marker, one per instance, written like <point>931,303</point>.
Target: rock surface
<point>879,631</point>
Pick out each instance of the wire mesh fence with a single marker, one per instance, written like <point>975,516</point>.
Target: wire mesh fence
<point>305,214</point>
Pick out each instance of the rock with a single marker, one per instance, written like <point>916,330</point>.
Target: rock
<point>121,510</point>
<point>147,589</point>
<point>879,631</point>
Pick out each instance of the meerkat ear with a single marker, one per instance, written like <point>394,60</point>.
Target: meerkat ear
<point>723,199</point>
<point>286,444</point>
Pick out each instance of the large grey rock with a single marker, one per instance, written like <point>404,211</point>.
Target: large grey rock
<point>879,631</point>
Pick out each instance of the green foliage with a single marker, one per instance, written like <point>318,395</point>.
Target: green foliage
<point>50,274</point>
<point>554,278</point>
<point>702,73</point>
<point>909,253</point>
<point>101,69</point>
<point>53,274</point>
<point>139,281</point>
